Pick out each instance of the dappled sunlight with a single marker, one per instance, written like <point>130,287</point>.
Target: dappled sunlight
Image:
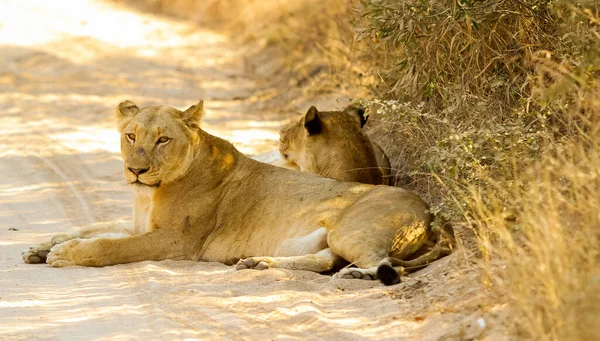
<point>154,268</point>
<point>190,299</point>
<point>9,191</point>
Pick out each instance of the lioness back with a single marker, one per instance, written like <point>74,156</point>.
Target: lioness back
<point>332,144</point>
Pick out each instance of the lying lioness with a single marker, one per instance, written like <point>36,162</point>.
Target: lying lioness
<point>198,198</point>
<point>332,144</point>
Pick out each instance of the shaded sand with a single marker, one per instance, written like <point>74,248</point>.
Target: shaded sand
<point>62,72</point>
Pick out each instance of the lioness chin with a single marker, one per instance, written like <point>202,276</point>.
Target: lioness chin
<point>198,198</point>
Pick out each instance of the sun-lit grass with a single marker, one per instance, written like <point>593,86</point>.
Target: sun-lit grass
<point>547,244</point>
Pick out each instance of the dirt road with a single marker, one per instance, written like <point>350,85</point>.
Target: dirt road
<point>64,65</point>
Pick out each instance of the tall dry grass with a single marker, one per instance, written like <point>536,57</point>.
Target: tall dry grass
<point>541,226</point>
<point>442,51</point>
<point>546,248</point>
<point>524,170</point>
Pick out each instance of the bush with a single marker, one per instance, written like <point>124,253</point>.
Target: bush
<point>444,50</point>
<point>465,133</point>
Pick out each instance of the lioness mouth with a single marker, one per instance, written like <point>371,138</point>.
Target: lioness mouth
<point>138,182</point>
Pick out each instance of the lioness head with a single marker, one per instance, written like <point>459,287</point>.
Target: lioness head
<point>157,142</point>
<point>331,144</point>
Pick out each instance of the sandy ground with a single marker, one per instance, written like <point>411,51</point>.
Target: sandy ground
<point>64,65</point>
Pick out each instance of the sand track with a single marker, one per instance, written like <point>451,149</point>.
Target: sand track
<point>64,65</point>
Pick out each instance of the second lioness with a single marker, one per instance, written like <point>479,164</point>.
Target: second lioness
<point>332,144</point>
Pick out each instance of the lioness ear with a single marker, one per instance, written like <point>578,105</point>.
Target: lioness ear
<point>359,111</point>
<point>127,109</point>
<point>312,122</point>
<point>192,115</point>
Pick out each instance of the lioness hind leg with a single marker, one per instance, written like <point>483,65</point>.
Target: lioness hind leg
<point>357,273</point>
<point>385,272</point>
<point>445,243</point>
<point>321,261</point>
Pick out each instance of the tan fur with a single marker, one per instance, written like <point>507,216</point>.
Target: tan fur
<point>200,199</point>
<point>338,150</point>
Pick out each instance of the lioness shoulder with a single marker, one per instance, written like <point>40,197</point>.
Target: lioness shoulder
<point>333,144</point>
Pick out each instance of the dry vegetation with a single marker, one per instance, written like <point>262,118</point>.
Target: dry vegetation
<point>492,106</point>
<point>503,109</point>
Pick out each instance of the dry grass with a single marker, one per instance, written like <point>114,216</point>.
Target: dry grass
<point>540,225</point>
<point>546,248</point>
<point>442,51</point>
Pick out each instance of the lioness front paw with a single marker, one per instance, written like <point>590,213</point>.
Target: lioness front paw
<point>63,254</point>
<point>256,263</point>
<point>36,254</point>
<point>356,273</point>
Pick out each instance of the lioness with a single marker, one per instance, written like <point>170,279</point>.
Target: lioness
<point>198,198</point>
<point>332,144</point>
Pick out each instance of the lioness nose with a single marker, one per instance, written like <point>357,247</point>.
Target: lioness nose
<point>138,171</point>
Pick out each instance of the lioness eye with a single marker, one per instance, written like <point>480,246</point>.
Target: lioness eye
<point>163,139</point>
<point>131,137</point>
